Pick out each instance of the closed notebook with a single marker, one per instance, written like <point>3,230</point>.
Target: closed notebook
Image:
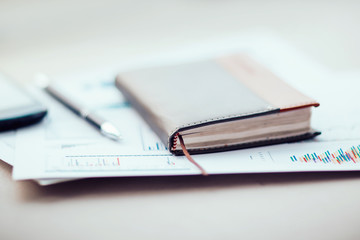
<point>215,105</point>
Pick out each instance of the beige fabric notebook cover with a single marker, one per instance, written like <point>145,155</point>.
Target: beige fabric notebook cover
<point>222,104</point>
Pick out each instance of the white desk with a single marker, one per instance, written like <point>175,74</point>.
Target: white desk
<point>62,36</point>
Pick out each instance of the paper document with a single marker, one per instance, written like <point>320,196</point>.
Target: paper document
<point>65,146</point>
<point>7,146</point>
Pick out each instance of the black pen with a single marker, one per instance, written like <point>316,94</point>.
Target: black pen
<point>105,127</point>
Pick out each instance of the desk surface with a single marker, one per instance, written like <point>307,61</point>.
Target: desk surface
<point>62,36</point>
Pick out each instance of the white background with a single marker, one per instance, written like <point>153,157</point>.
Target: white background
<point>62,36</point>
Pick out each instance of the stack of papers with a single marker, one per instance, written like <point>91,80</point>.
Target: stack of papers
<point>65,147</point>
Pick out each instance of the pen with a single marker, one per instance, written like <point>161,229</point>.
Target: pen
<point>105,127</point>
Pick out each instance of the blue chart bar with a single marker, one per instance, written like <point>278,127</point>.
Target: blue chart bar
<point>157,147</point>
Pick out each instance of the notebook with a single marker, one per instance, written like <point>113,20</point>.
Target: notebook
<point>227,103</point>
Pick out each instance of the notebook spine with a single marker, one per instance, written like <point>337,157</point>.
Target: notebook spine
<point>174,142</point>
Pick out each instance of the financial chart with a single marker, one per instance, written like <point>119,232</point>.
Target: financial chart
<point>65,146</point>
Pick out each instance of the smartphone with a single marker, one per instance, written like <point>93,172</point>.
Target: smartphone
<point>17,107</point>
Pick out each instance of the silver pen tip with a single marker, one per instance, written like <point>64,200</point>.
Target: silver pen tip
<point>110,131</point>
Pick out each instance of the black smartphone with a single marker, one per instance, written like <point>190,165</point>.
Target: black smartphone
<point>17,107</point>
